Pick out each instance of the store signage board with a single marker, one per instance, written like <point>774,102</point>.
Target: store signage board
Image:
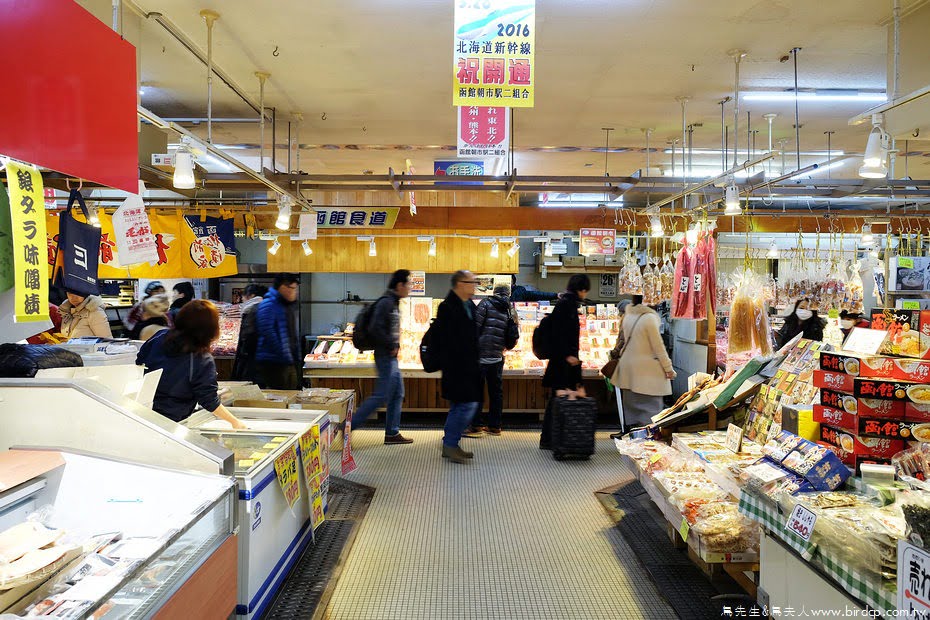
<point>801,522</point>
<point>456,168</point>
<point>310,455</point>
<point>356,217</point>
<point>27,223</point>
<point>913,580</point>
<point>597,241</point>
<point>608,286</point>
<point>493,53</point>
<point>307,226</point>
<point>285,467</point>
<point>417,283</point>
<point>734,438</point>
<point>483,132</point>
<point>865,341</point>
<point>162,159</point>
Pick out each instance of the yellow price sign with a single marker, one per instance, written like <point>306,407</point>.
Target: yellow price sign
<point>285,466</point>
<point>906,262</point>
<point>655,457</point>
<point>684,529</point>
<point>27,215</point>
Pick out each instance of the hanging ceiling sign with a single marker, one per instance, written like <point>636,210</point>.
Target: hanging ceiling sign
<point>483,132</point>
<point>597,241</point>
<point>493,53</point>
<point>356,217</point>
<point>27,224</point>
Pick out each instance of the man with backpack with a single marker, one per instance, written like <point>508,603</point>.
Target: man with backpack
<point>381,326</point>
<point>497,331</point>
<point>458,360</point>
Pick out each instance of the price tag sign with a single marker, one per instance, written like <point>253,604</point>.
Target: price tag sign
<point>684,529</point>
<point>655,457</point>
<point>735,438</point>
<point>910,305</point>
<point>864,340</point>
<point>907,263</point>
<point>913,580</point>
<point>801,522</point>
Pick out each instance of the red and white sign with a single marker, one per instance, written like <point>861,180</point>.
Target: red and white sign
<point>135,242</point>
<point>348,461</point>
<point>483,132</point>
<point>597,241</point>
<point>801,522</point>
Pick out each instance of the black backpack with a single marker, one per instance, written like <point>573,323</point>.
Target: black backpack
<point>361,337</point>
<point>429,348</point>
<point>512,333</point>
<point>542,338</point>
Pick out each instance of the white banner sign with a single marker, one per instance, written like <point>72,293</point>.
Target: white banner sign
<point>308,226</point>
<point>135,242</point>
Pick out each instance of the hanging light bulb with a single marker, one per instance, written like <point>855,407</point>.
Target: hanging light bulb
<point>773,250</point>
<point>513,249</point>
<point>873,164</point>
<point>548,250</point>
<point>184,167</point>
<point>494,250</point>
<point>656,224</point>
<point>731,200</point>
<point>873,252</point>
<point>692,234</point>
<point>274,247</point>
<point>284,213</point>
<point>306,246</point>
<point>93,218</point>
<point>372,248</point>
<point>432,248</point>
<point>866,237</point>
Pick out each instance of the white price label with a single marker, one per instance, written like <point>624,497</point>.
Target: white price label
<point>801,522</point>
<point>698,281</point>
<point>684,284</point>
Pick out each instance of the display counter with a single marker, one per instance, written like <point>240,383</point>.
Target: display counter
<point>272,533</point>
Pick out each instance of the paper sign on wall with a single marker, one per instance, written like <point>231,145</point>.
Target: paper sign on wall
<point>27,217</point>
<point>608,286</point>
<point>597,241</point>
<point>285,467</point>
<point>913,580</point>
<point>417,283</point>
<point>348,462</point>
<point>308,224</point>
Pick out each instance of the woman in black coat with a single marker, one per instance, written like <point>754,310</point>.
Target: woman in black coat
<point>564,369</point>
<point>802,320</point>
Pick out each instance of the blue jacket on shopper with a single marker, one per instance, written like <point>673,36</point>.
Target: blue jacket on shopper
<point>186,380</point>
<point>276,339</point>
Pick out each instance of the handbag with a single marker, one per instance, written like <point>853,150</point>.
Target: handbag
<point>608,369</point>
<point>78,251</point>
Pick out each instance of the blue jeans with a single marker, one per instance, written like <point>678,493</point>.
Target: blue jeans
<point>389,388</point>
<point>460,415</point>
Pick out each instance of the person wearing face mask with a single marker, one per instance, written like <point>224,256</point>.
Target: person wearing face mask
<point>850,319</point>
<point>802,320</point>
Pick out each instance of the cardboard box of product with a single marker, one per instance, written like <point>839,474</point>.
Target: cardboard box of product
<point>911,370</point>
<point>861,426</point>
<point>819,465</point>
<point>860,446</point>
<point>872,366</point>
<point>837,381</point>
<point>573,261</point>
<point>885,389</point>
<point>867,407</point>
<point>273,399</point>
<point>855,461</point>
<point>595,260</point>
<point>611,261</point>
<point>913,411</point>
<point>908,331</point>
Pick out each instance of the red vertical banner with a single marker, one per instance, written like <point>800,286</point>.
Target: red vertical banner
<point>483,132</point>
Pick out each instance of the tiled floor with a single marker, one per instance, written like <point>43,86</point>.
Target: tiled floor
<point>512,535</point>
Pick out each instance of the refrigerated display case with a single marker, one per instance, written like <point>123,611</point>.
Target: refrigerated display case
<point>272,534</point>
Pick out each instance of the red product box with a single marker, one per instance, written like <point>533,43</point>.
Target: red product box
<point>908,331</point>
<point>865,407</point>
<point>837,418</point>
<point>873,366</point>
<point>852,460</point>
<point>913,411</point>
<point>885,389</point>
<point>861,446</point>
<point>911,370</point>
<point>863,426</point>
<point>837,381</point>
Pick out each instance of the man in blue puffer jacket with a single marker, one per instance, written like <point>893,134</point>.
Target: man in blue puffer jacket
<point>278,353</point>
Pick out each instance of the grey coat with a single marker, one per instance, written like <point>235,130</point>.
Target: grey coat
<point>491,322</point>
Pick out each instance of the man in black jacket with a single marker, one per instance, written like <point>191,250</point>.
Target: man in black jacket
<point>384,329</point>
<point>458,360</point>
<point>492,318</point>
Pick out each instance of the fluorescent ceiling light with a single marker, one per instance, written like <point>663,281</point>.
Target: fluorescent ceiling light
<point>730,152</point>
<point>731,200</point>
<point>824,96</point>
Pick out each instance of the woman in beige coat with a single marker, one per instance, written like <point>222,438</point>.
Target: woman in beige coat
<point>84,316</point>
<point>644,371</point>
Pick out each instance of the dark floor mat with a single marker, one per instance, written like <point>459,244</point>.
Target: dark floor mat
<point>686,588</point>
<point>306,591</point>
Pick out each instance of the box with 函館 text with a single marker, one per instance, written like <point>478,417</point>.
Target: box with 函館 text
<point>908,331</point>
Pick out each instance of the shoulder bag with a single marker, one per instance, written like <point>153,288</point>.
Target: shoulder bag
<point>608,369</point>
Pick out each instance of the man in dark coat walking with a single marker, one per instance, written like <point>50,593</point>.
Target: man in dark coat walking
<point>493,318</point>
<point>458,355</point>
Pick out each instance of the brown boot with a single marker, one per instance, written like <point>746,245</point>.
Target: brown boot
<point>454,454</point>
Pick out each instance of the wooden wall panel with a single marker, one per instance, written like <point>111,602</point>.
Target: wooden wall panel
<point>344,254</point>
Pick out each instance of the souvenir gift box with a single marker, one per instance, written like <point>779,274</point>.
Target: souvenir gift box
<point>873,366</point>
<point>908,331</point>
<point>882,428</point>
<point>819,465</point>
<point>837,381</point>
<point>855,461</point>
<point>892,390</point>
<point>861,446</point>
<point>866,407</point>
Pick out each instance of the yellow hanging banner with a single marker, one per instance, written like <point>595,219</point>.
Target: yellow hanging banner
<point>27,213</point>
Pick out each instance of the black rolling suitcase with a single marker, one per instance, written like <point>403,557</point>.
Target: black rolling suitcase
<point>574,423</point>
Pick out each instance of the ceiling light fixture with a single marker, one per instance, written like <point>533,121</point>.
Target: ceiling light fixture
<point>731,200</point>
<point>495,250</point>
<point>656,224</point>
<point>306,246</point>
<point>773,250</point>
<point>513,249</point>
<point>548,250</point>
<point>824,96</point>
<point>432,248</point>
<point>873,164</point>
<point>184,166</point>
<point>372,248</point>
<point>92,218</point>
<point>284,212</point>
<point>274,247</point>
<point>866,237</point>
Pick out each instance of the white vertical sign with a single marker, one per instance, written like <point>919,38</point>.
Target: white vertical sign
<point>135,242</point>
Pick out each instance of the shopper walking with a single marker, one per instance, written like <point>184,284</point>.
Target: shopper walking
<point>615,354</point>
<point>458,355</point>
<point>83,316</point>
<point>563,373</point>
<point>644,370</point>
<point>244,364</point>
<point>384,331</point>
<point>153,319</point>
<point>183,294</point>
<point>278,354</point>
<point>802,320</point>
<point>493,317</point>
<point>188,370</point>
<point>135,313</point>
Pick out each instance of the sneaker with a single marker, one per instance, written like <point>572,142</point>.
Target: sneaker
<point>396,439</point>
<point>494,431</point>
<point>472,432</point>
